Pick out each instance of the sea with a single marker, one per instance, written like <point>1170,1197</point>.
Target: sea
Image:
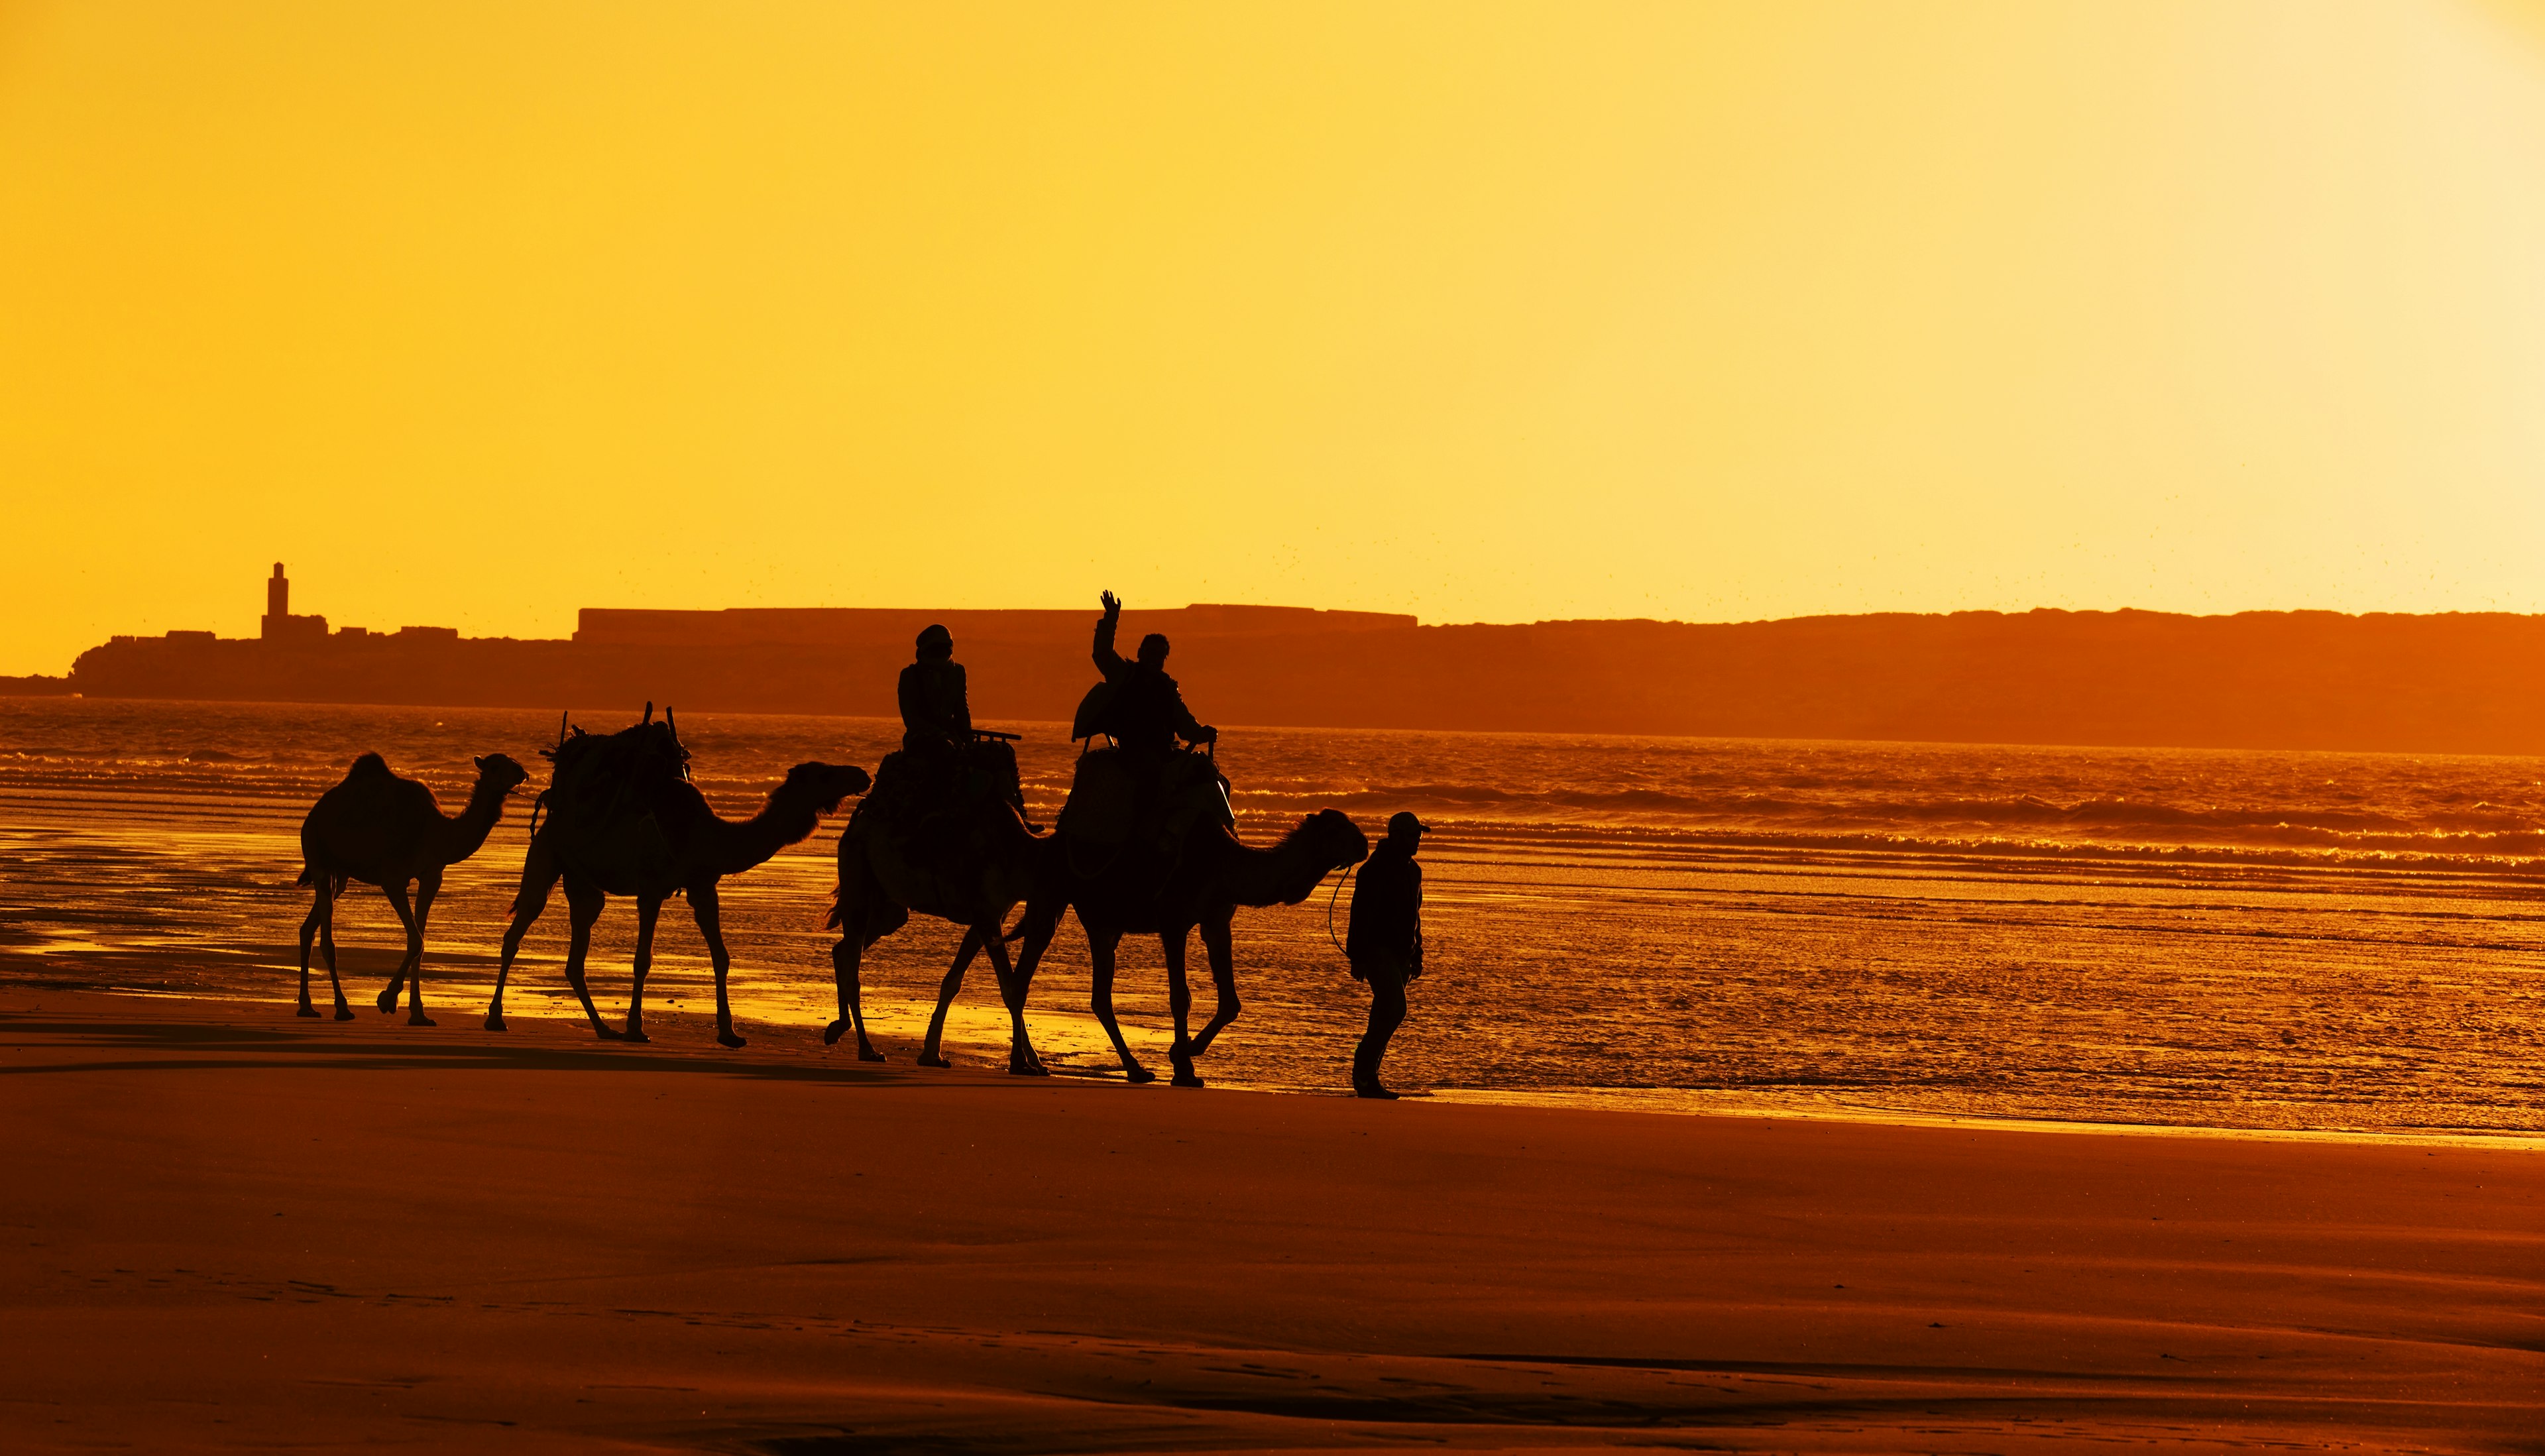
<point>2227,940</point>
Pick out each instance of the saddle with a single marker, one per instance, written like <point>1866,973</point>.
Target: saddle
<point>930,804</point>
<point>605,788</point>
<point>1120,801</point>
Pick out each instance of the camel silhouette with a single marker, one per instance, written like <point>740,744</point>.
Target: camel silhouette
<point>387,831</point>
<point>1199,886</point>
<point>683,847</point>
<point>970,863</point>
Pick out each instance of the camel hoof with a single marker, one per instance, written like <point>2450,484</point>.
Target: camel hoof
<point>932,1058</point>
<point>1138,1076</point>
<point>388,1002</point>
<point>421,1022</point>
<point>496,1023</point>
<point>832,1033</point>
<point>307,1009</point>
<point>1185,1076</point>
<point>1026,1069</point>
<point>730,1039</point>
<point>635,1034</point>
<point>344,1013</point>
<point>869,1054</point>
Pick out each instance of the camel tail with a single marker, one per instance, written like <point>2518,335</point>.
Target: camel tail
<point>839,912</point>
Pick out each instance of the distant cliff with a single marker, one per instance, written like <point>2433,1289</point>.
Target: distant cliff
<point>2444,683</point>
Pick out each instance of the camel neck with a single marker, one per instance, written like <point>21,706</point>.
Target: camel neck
<point>464,834</point>
<point>1282,874</point>
<point>747,844</point>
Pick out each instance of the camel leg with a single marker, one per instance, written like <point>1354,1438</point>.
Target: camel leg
<point>648,907</point>
<point>928,1055</point>
<point>539,877</point>
<point>583,905</point>
<point>322,908</point>
<point>844,961</point>
<point>415,1016</point>
<point>1100,950</point>
<point>327,948</point>
<point>1215,943</point>
<point>1021,1061</point>
<point>388,999</point>
<point>427,886</point>
<point>1180,1002</point>
<point>711,917</point>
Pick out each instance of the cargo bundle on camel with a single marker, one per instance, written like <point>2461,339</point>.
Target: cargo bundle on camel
<point>624,819</point>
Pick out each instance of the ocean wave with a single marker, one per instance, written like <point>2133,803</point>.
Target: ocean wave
<point>2326,825</point>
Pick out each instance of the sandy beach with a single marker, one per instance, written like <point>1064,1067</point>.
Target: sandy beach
<point>228,1229</point>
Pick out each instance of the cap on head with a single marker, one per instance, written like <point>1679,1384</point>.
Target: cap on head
<point>1403,825</point>
<point>934,641</point>
<point>1153,650</point>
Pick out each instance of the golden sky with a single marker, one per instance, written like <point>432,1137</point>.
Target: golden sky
<point>479,313</point>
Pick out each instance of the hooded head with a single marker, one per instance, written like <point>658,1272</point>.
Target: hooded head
<point>1153,650</point>
<point>935,644</point>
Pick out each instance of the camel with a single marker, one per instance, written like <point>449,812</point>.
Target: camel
<point>1141,888</point>
<point>971,864</point>
<point>387,831</point>
<point>663,840</point>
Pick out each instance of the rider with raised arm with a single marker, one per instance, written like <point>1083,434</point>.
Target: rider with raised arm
<point>1147,715</point>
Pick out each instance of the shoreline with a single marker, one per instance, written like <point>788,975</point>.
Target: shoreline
<point>1656,1101</point>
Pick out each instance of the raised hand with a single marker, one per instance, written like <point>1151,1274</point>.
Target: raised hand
<point>1112,605</point>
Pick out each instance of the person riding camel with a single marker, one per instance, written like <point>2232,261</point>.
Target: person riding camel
<point>1147,716</point>
<point>936,710</point>
<point>1141,786</point>
<point>953,758</point>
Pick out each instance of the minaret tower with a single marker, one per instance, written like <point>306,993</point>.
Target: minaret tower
<point>277,604</point>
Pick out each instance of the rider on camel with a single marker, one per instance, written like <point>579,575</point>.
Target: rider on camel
<point>1148,714</point>
<point>936,730</point>
<point>936,712</point>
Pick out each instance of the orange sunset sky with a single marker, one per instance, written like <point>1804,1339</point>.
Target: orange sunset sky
<point>479,313</point>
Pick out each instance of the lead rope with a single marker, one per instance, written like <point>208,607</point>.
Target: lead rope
<point>1329,906</point>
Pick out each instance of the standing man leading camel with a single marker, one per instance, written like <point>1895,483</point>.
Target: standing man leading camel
<point>1385,942</point>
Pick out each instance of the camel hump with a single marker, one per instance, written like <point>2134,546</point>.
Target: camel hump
<point>368,766</point>
<point>1117,799</point>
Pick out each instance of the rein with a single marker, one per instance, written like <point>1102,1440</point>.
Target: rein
<point>1331,900</point>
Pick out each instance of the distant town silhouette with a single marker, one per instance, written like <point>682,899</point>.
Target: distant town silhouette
<point>2456,682</point>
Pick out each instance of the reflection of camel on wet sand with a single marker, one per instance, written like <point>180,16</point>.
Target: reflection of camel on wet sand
<point>387,831</point>
<point>657,840</point>
<point>1141,889</point>
<point>970,864</point>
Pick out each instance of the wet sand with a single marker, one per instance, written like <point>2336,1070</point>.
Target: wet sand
<point>226,1227</point>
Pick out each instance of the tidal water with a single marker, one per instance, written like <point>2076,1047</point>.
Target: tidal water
<point>2201,938</point>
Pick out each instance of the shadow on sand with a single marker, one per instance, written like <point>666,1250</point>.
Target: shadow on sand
<point>188,1045</point>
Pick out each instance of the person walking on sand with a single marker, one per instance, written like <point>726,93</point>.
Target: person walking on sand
<point>1385,942</point>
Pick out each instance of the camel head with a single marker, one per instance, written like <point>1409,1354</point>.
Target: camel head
<point>1337,840</point>
<point>499,772</point>
<point>823,786</point>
